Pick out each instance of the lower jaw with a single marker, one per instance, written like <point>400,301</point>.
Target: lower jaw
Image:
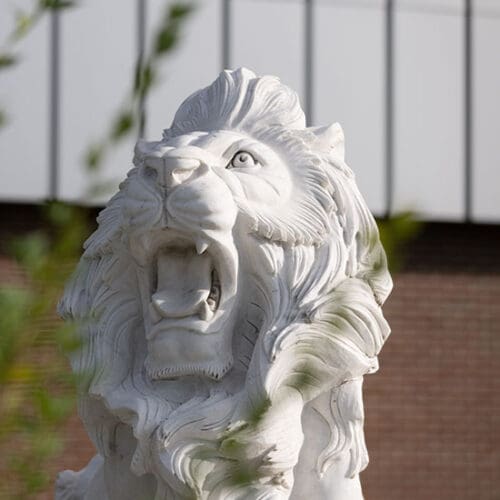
<point>179,352</point>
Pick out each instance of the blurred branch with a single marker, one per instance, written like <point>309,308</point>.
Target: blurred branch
<point>25,22</point>
<point>37,393</point>
<point>129,117</point>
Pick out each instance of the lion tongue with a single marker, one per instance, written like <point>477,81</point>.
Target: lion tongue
<point>184,280</point>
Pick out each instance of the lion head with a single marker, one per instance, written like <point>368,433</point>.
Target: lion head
<point>236,278</point>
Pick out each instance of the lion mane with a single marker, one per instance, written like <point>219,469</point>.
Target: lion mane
<point>321,275</point>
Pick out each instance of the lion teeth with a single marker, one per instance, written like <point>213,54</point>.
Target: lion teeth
<point>213,298</point>
<point>206,312</point>
<point>201,246</point>
<point>210,305</point>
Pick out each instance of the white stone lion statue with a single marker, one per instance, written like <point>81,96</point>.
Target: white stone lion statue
<point>229,304</point>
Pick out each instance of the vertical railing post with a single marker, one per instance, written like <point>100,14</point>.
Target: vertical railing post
<point>54,103</point>
<point>308,59</point>
<point>226,34</point>
<point>468,109</point>
<point>389,107</point>
<point>141,47</point>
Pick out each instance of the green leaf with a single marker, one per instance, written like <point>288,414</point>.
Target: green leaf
<point>168,34</point>
<point>145,78</point>
<point>94,156</point>
<point>137,74</point>
<point>24,21</point>
<point>31,250</point>
<point>14,304</point>
<point>166,40</point>
<point>51,408</point>
<point>3,118</point>
<point>395,233</point>
<point>258,412</point>
<point>58,213</point>
<point>123,124</point>
<point>7,60</point>
<point>56,4</point>
<point>179,10</point>
<point>67,338</point>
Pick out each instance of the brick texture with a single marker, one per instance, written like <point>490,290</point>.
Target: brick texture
<point>433,409</point>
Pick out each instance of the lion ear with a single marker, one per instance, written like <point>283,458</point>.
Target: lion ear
<point>331,137</point>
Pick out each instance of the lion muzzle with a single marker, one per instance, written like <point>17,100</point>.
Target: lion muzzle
<point>192,265</point>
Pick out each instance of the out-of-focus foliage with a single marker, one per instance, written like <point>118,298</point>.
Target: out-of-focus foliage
<point>25,21</point>
<point>130,117</point>
<point>37,390</point>
<point>395,233</point>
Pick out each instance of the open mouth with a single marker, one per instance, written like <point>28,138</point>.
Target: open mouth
<point>187,285</point>
<point>191,282</point>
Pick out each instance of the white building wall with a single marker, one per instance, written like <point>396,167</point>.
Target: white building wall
<point>99,47</point>
<point>24,92</point>
<point>98,52</point>
<point>429,111</point>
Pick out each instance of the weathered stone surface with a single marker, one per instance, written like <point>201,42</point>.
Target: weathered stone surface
<point>229,305</point>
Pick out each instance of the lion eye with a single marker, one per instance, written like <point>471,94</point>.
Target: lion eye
<point>242,159</point>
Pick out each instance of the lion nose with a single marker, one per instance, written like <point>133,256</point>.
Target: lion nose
<point>177,170</point>
<point>174,166</point>
<point>173,171</point>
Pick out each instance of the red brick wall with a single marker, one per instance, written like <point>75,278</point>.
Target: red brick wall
<point>433,409</point>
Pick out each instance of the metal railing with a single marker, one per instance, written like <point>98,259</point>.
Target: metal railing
<point>390,72</point>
